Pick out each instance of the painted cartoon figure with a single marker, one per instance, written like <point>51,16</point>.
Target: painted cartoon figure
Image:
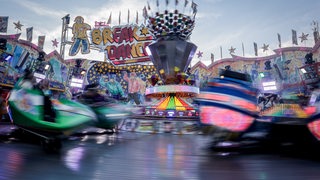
<point>254,70</point>
<point>133,87</point>
<point>113,87</point>
<point>142,91</point>
<point>80,37</point>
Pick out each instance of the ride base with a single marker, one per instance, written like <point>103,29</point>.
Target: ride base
<point>171,111</point>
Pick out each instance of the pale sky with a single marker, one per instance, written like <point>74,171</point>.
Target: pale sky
<point>222,23</point>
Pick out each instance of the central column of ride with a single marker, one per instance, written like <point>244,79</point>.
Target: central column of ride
<point>171,54</point>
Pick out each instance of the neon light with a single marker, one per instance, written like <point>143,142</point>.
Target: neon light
<point>75,80</point>
<point>310,110</point>
<point>245,104</point>
<point>238,87</point>
<point>225,118</point>
<point>185,104</point>
<point>180,113</point>
<point>76,85</point>
<point>285,110</point>
<point>179,105</point>
<point>214,97</point>
<point>159,103</point>
<point>314,128</point>
<point>38,75</point>
<point>230,100</point>
<point>303,71</point>
<point>171,104</point>
<point>268,88</point>
<point>170,113</point>
<point>164,104</point>
<point>173,89</point>
<point>271,83</point>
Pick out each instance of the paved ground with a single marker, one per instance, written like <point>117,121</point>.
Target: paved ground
<point>147,156</point>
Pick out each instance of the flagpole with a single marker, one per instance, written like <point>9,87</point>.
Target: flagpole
<point>128,16</point>
<point>137,15</point>
<point>158,5</point>
<point>242,49</point>
<point>221,52</point>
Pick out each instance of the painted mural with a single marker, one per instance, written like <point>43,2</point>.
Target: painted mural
<point>128,82</point>
<point>25,55</point>
<point>80,38</point>
<point>282,67</point>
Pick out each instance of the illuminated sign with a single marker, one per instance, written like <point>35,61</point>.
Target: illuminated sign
<point>172,88</point>
<point>122,44</point>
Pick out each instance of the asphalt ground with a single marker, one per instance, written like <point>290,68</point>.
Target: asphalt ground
<point>128,155</point>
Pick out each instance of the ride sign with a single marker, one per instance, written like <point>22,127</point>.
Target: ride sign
<point>123,44</point>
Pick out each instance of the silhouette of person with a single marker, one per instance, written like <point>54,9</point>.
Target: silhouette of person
<point>48,110</point>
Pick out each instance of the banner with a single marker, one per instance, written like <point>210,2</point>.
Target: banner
<point>145,13</point>
<point>4,23</point>
<point>194,7</point>
<point>109,20</point>
<point>41,40</point>
<point>294,37</point>
<point>255,49</point>
<point>29,34</point>
<point>128,20</point>
<point>137,20</point>
<point>186,3</point>
<point>279,40</point>
<point>242,49</point>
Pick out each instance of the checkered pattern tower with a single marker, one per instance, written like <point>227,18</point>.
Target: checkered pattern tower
<point>172,52</point>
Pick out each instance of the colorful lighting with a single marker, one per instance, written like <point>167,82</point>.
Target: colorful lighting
<point>314,128</point>
<point>269,86</point>
<point>286,110</point>
<point>230,100</point>
<point>271,83</point>
<point>303,71</point>
<point>225,118</point>
<point>173,89</point>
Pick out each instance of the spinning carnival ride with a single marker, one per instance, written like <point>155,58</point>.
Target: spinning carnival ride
<point>171,54</point>
<point>229,102</point>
